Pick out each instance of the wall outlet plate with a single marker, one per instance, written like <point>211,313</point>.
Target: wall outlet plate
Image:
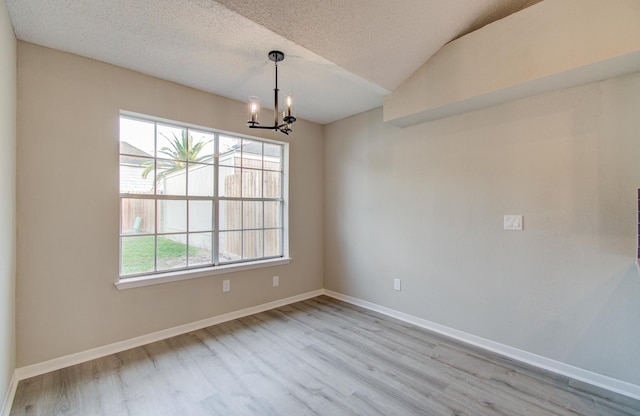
<point>397,284</point>
<point>226,285</point>
<point>276,281</point>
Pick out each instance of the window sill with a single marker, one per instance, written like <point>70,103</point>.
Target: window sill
<point>157,279</point>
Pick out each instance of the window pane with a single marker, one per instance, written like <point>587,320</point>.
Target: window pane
<point>137,216</point>
<point>230,183</point>
<point>230,216</point>
<point>229,148</point>
<point>252,214</point>
<point>136,175</point>
<point>200,216</point>
<point>252,244</point>
<point>272,244</point>
<point>172,251</point>
<point>230,246</point>
<point>272,156</point>
<point>172,216</point>
<point>172,143</point>
<point>272,184</point>
<point>251,183</point>
<point>201,179</point>
<point>138,254</point>
<point>199,250</point>
<point>201,146</point>
<point>171,177</point>
<point>137,137</point>
<point>272,214</point>
<point>251,154</point>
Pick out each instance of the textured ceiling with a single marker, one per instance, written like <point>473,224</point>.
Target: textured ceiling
<point>342,56</point>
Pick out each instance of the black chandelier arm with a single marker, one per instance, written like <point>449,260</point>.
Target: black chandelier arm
<point>283,128</point>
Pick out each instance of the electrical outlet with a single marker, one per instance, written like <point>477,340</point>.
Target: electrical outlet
<point>396,284</point>
<point>276,281</point>
<point>226,285</point>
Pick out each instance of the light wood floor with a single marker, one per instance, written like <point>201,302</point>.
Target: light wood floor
<point>317,357</point>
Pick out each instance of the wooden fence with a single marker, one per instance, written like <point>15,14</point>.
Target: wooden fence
<point>138,215</point>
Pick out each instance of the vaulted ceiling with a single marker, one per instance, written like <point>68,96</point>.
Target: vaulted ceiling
<point>342,56</point>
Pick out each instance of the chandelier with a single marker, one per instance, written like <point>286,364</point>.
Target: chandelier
<point>254,103</point>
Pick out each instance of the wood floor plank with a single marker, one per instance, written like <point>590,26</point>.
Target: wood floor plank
<point>316,357</point>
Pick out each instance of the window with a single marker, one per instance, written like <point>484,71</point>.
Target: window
<point>193,197</point>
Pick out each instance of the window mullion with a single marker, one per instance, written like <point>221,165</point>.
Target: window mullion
<point>262,195</point>
<point>215,235</point>
<point>155,193</point>
<point>241,222</point>
<point>282,199</point>
<point>186,194</point>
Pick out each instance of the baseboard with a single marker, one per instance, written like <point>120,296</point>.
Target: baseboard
<point>11,392</point>
<point>80,357</point>
<point>576,373</point>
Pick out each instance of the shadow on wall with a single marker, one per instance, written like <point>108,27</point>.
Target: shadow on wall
<point>600,326</point>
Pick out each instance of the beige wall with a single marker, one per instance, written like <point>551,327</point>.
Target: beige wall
<point>7,200</point>
<point>425,204</point>
<point>68,110</point>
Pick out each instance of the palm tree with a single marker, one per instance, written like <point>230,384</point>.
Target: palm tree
<point>180,152</point>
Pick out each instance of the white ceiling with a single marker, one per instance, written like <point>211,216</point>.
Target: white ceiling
<point>342,56</point>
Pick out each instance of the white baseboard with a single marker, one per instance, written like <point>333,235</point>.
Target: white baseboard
<point>11,392</point>
<point>576,373</point>
<point>80,357</point>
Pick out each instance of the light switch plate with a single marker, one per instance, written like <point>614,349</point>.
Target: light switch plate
<point>513,222</point>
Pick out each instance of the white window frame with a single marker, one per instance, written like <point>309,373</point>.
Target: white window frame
<point>152,278</point>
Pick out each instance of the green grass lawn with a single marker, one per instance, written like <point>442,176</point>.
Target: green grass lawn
<point>138,253</point>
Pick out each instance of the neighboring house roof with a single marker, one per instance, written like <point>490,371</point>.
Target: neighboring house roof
<point>130,154</point>
<point>256,148</point>
<point>129,149</point>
